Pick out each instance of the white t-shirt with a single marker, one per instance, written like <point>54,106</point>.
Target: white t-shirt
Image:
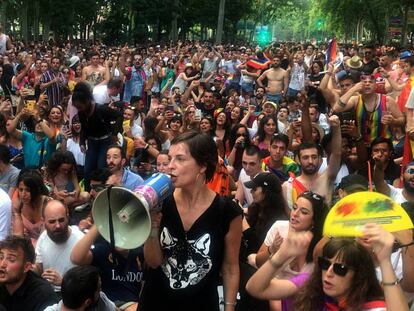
<point>5,214</point>
<point>396,194</point>
<point>101,96</point>
<point>74,147</point>
<point>243,177</point>
<point>57,256</point>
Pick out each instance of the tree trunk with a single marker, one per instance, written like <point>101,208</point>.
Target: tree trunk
<point>220,21</point>
<point>405,24</point>
<point>24,32</point>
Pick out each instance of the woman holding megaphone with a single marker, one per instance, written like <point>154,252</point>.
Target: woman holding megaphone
<point>195,238</point>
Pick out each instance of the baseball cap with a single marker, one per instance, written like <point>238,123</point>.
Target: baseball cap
<point>265,180</point>
<point>405,54</point>
<point>353,183</point>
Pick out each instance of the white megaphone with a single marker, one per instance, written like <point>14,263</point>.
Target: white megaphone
<point>130,210</point>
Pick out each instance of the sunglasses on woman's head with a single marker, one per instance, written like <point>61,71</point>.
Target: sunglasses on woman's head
<point>338,269</point>
<point>313,195</point>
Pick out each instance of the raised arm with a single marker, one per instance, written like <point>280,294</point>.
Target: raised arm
<point>381,243</point>
<point>379,174</point>
<point>348,100</point>
<point>263,285</point>
<point>334,163</point>
<point>81,254</point>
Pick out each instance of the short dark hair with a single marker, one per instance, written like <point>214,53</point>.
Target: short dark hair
<point>82,93</point>
<point>202,148</point>
<point>280,137</point>
<point>135,99</point>
<point>4,154</point>
<point>410,61</point>
<point>93,53</point>
<point>382,140</point>
<point>310,145</point>
<point>15,242</point>
<point>252,150</point>
<point>101,175</point>
<point>78,285</point>
<point>114,83</point>
<point>123,154</point>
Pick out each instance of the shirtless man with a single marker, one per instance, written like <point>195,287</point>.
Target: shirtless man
<point>310,160</point>
<point>5,42</point>
<point>95,74</point>
<point>277,81</point>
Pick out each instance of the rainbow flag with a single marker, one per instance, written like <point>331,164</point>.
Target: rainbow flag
<point>408,150</point>
<point>294,189</point>
<point>330,55</point>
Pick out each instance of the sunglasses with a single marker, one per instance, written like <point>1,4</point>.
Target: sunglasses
<point>98,188</point>
<point>338,269</point>
<point>313,195</point>
<point>410,170</point>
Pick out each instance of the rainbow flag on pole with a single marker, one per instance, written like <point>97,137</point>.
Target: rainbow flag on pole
<point>330,55</point>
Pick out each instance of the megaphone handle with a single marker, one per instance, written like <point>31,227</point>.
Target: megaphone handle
<point>111,224</point>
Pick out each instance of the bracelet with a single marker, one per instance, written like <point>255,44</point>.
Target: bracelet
<point>341,104</point>
<point>146,147</point>
<point>390,283</point>
<point>329,73</point>
<point>227,303</point>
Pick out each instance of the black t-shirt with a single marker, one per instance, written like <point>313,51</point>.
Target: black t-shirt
<point>188,278</point>
<point>35,294</point>
<point>121,282</point>
<point>207,112</point>
<point>392,171</point>
<point>103,121</point>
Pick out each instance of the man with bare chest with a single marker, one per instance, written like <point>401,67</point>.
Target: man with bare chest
<point>277,81</point>
<point>95,73</point>
<point>310,159</point>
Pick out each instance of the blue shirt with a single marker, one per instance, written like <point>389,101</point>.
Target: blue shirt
<point>131,180</point>
<point>33,147</point>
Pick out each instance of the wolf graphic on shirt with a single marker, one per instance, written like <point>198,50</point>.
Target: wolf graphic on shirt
<point>186,262</point>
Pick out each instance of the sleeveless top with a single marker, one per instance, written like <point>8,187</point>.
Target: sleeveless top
<point>369,123</point>
<point>3,43</point>
<point>188,277</point>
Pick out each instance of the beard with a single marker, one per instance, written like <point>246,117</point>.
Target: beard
<point>408,187</point>
<point>58,237</point>
<point>310,170</point>
<point>275,66</point>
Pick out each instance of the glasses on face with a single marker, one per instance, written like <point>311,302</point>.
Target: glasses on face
<point>410,170</point>
<point>240,134</point>
<point>313,195</point>
<point>338,268</point>
<point>98,187</point>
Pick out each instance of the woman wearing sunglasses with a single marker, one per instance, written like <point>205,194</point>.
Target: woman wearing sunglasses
<point>343,279</point>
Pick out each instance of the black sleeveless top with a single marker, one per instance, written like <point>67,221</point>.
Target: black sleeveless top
<point>189,275</point>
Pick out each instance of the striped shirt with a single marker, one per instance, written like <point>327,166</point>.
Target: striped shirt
<point>55,90</point>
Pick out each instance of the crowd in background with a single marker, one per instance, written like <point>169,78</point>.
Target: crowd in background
<point>259,144</point>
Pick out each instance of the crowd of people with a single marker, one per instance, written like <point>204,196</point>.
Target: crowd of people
<point>259,145</point>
